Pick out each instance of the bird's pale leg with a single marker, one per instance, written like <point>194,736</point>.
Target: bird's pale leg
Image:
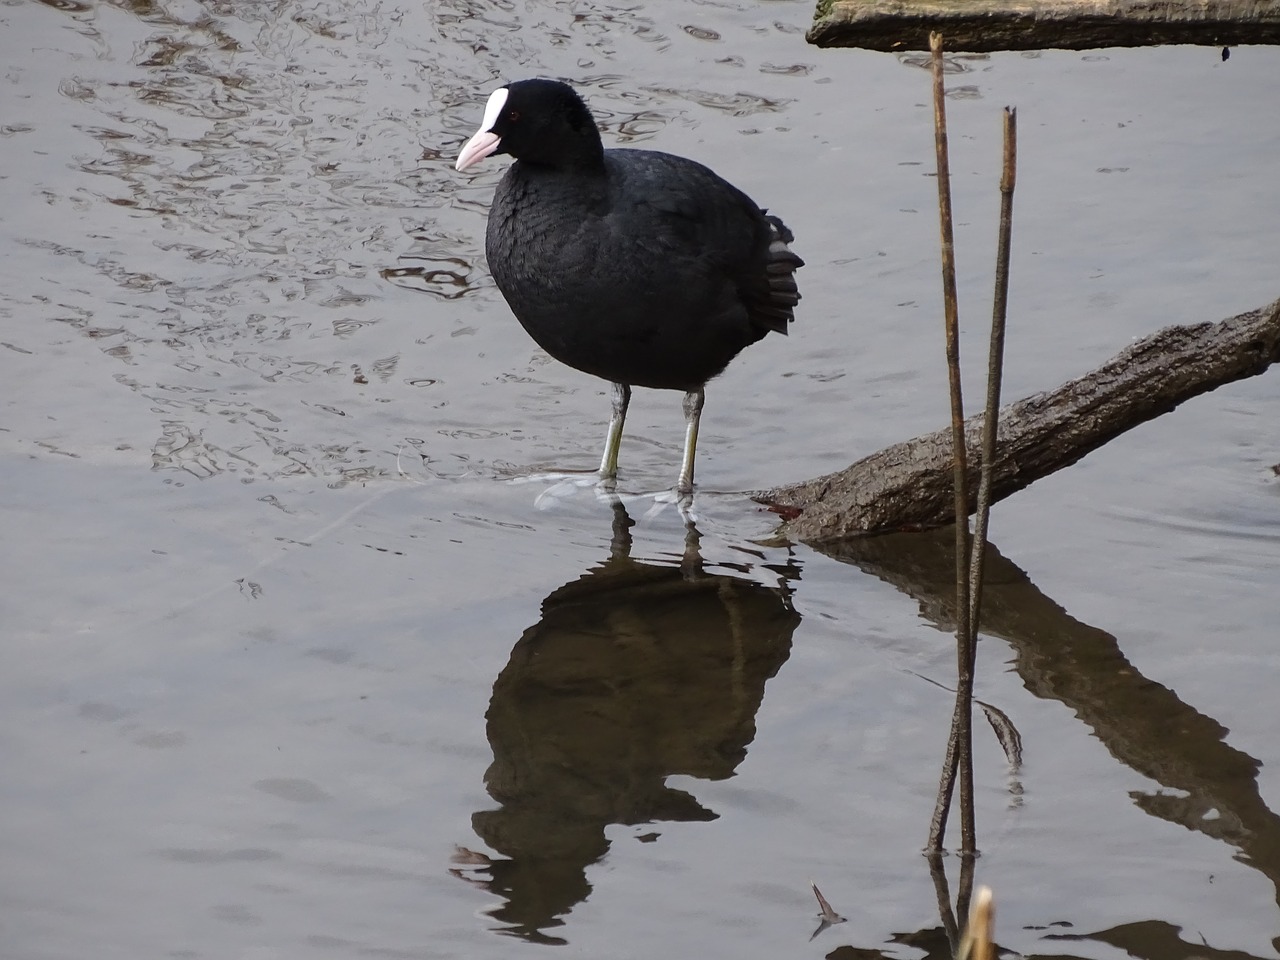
<point>620,397</point>
<point>692,413</point>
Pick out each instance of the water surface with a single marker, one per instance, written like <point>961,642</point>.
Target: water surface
<point>304,658</point>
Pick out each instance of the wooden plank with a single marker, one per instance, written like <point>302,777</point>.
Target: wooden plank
<point>985,25</point>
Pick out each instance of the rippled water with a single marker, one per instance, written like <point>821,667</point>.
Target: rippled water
<point>307,656</point>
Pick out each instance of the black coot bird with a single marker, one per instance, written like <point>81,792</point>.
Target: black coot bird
<point>640,267</point>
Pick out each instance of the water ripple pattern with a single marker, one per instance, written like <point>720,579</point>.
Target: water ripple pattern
<point>254,204</point>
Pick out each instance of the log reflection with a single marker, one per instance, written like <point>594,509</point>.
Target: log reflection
<point>1141,723</point>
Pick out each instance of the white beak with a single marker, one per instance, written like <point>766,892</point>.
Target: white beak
<point>485,141</point>
<point>477,148</point>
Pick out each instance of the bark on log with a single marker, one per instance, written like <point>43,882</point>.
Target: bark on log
<point>984,25</point>
<point>909,485</point>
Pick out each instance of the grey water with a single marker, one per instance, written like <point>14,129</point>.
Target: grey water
<point>315,645</point>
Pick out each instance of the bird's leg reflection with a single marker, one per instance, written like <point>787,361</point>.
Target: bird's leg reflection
<point>691,562</point>
<point>620,398</point>
<point>620,542</point>
<point>693,401</point>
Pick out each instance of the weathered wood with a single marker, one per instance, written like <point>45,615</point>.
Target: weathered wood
<point>986,25</point>
<point>909,485</point>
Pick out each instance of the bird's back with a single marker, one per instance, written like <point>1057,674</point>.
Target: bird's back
<point>653,271</point>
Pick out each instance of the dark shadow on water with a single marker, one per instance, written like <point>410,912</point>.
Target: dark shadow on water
<point>933,944</point>
<point>1153,940</point>
<point>636,671</point>
<point>1148,940</point>
<point>1143,724</point>
<point>640,670</point>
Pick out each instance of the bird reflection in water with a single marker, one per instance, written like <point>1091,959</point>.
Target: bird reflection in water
<point>636,671</point>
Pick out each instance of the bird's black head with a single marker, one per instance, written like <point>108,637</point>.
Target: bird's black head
<point>539,122</point>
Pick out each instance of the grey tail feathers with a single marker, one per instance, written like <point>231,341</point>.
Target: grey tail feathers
<point>780,270</point>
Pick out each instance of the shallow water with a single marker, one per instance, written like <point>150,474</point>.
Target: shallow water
<point>306,655</point>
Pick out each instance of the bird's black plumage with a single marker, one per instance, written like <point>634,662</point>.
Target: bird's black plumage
<point>643,268</point>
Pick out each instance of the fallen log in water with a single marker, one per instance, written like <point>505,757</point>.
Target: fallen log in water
<point>909,485</point>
